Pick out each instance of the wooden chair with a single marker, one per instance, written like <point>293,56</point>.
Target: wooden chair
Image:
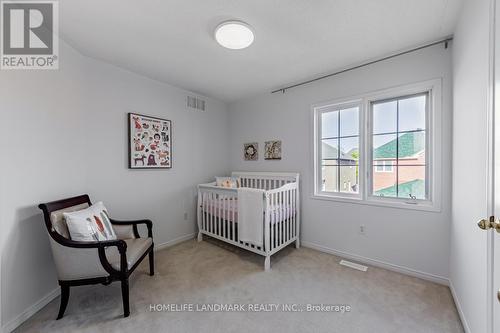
<point>83,263</point>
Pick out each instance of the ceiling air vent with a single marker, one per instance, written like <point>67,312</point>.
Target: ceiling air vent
<point>195,103</point>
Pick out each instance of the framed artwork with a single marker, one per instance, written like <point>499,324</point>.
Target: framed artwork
<point>251,151</point>
<point>272,150</point>
<point>150,142</point>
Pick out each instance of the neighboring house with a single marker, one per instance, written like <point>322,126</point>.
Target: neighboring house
<point>409,178</point>
<point>348,170</point>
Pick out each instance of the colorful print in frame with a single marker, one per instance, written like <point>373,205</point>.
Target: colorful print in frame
<point>150,142</point>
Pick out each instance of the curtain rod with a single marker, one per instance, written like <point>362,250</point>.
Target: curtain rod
<point>444,40</point>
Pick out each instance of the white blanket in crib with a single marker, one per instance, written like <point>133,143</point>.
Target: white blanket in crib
<point>250,215</point>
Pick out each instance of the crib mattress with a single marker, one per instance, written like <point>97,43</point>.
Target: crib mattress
<point>225,210</point>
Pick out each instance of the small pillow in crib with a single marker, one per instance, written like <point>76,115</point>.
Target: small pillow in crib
<point>230,182</point>
<point>90,224</point>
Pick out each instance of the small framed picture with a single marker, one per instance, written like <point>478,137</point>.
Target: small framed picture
<point>150,142</point>
<point>251,151</point>
<point>272,150</point>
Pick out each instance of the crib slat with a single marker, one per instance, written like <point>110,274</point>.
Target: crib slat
<point>287,216</point>
<point>218,214</point>
<point>233,221</point>
<point>277,220</point>
<point>278,213</point>
<point>209,210</point>
<point>283,218</point>
<point>212,207</point>
<point>204,211</point>
<point>272,221</point>
<point>224,217</point>
<point>289,212</point>
<point>216,207</point>
<point>294,214</point>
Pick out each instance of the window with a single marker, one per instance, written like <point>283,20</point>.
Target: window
<point>380,148</point>
<point>339,152</point>
<point>398,136</point>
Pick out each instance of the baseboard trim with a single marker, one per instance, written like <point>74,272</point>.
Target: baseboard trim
<point>459,308</point>
<point>174,241</point>
<point>30,311</point>
<point>379,263</point>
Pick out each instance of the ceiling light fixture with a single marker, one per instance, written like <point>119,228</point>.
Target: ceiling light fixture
<point>234,35</point>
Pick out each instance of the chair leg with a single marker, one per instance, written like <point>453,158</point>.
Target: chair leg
<point>64,300</point>
<point>151,263</point>
<point>125,297</point>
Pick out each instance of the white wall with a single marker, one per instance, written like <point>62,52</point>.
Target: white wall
<point>65,133</point>
<point>468,261</point>
<point>41,149</point>
<point>414,240</point>
<point>200,148</point>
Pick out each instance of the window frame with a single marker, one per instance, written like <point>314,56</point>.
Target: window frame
<point>433,147</point>
<point>318,183</point>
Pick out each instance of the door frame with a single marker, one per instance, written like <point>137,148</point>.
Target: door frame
<point>493,150</point>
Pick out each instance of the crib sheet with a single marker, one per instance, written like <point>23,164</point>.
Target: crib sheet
<point>225,210</point>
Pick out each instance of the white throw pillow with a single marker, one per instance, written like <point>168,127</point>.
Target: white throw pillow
<point>90,224</point>
<point>230,182</point>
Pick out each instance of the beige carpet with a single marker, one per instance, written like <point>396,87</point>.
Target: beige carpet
<point>214,272</point>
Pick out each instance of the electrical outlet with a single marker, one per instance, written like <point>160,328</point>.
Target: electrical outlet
<point>362,229</point>
<point>185,215</point>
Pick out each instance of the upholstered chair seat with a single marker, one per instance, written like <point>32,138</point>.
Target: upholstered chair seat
<point>136,247</point>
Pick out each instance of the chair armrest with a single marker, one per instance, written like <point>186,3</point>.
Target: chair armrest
<point>101,250</point>
<point>120,244</point>
<point>134,223</point>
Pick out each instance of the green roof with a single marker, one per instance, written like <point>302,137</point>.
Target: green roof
<point>409,145</point>
<point>415,188</point>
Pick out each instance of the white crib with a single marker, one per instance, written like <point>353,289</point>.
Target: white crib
<point>218,216</point>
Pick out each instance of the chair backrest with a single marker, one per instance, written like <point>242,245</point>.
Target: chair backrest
<point>53,214</point>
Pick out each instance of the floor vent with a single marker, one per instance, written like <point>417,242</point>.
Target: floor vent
<point>354,265</point>
<point>195,103</point>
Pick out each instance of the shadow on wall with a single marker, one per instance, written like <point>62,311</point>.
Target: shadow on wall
<point>26,250</point>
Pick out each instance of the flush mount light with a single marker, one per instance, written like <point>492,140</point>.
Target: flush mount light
<point>234,35</point>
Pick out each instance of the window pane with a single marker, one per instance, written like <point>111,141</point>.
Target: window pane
<point>412,113</point>
<point>349,122</point>
<point>349,178</point>
<point>329,175</point>
<point>384,183</point>
<point>329,149</point>
<point>384,147</point>
<point>385,117</point>
<point>411,182</point>
<point>411,148</point>
<point>349,149</point>
<point>384,165</point>
<point>330,124</point>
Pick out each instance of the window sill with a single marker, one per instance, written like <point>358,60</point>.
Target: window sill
<point>422,206</point>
